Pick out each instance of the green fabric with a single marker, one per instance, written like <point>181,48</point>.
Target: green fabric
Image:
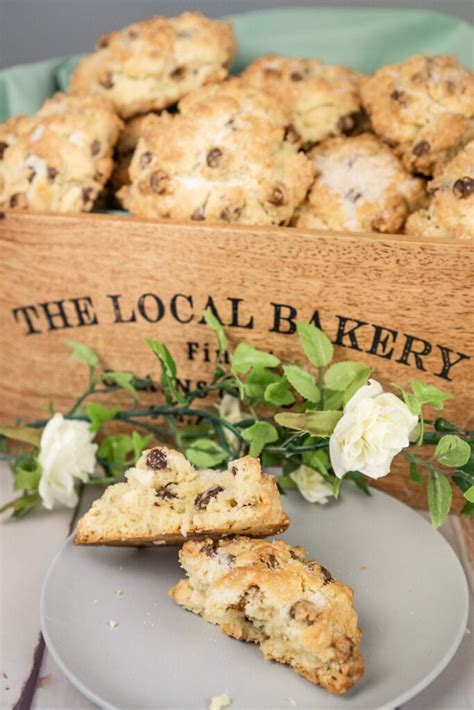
<point>363,39</point>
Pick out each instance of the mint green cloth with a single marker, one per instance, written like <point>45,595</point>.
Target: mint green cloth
<point>363,39</point>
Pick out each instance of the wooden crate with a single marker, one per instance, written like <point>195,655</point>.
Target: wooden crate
<point>403,305</point>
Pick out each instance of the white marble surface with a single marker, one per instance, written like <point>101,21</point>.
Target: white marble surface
<point>26,550</point>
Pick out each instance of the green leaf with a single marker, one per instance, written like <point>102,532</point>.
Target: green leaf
<point>303,382</point>
<point>83,353</point>
<point>246,356</point>
<point>205,453</point>
<point>333,399</point>
<point>216,326</point>
<point>414,473</point>
<point>443,425</point>
<point>452,451</point>
<point>469,494</point>
<point>359,480</point>
<point>139,443</point>
<point>27,473</point>
<point>319,459</point>
<point>28,436</point>
<point>124,380</point>
<point>316,345</point>
<point>342,374</point>
<point>258,435</point>
<point>113,453</point>
<point>467,509</point>
<point>285,482</point>
<point>168,371</point>
<point>21,505</point>
<point>464,477</point>
<point>98,414</point>
<point>428,394</point>
<point>164,356</point>
<point>279,393</point>
<point>412,402</point>
<point>257,382</point>
<point>315,423</point>
<point>439,497</point>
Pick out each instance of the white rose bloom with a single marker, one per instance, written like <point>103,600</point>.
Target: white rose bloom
<point>66,454</point>
<point>229,409</point>
<point>375,427</point>
<point>311,485</point>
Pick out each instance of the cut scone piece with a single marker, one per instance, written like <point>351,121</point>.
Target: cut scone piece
<point>268,593</point>
<point>166,500</point>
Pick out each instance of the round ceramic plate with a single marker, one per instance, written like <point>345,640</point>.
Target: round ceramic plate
<point>410,593</point>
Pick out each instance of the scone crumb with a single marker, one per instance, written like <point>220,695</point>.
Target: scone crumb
<point>292,701</point>
<point>112,624</point>
<point>219,701</point>
<point>119,593</point>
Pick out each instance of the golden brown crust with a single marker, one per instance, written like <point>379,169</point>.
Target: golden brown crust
<point>268,593</point>
<point>323,100</point>
<point>151,64</point>
<point>451,210</point>
<point>58,160</point>
<point>360,186</point>
<point>223,158</point>
<point>166,500</point>
<point>423,107</point>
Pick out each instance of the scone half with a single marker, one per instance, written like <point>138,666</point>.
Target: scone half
<point>167,501</point>
<point>270,594</point>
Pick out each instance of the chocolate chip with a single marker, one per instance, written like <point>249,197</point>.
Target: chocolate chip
<point>198,214</point>
<point>95,147</point>
<point>103,42</point>
<point>291,134</point>
<point>451,87</point>
<point>213,157</point>
<point>294,556</point>
<point>145,159</point>
<point>178,73</point>
<point>156,459</point>
<point>304,612</point>
<point>106,80</point>
<point>52,174</point>
<point>2,215</point>
<point>421,148</point>
<point>32,174</point>
<point>234,470</point>
<point>328,578</point>
<point>210,548</point>
<point>296,76</point>
<point>132,34</point>
<point>396,95</point>
<point>3,147</point>
<point>345,123</point>
<point>276,196</point>
<point>19,200</point>
<point>463,188</point>
<point>165,494</point>
<point>158,180</point>
<point>87,194</point>
<point>201,501</point>
<point>272,562</point>
<point>353,195</point>
<point>271,71</point>
<point>230,559</point>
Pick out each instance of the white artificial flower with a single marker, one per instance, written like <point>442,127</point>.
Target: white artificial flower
<point>312,485</point>
<point>67,454</point>
<point>229,409</point>
<point>375,427</point>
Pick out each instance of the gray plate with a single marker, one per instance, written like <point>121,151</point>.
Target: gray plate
<point>410,592</point>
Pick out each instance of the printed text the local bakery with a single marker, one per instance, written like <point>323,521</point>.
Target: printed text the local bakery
<point>273,318</point>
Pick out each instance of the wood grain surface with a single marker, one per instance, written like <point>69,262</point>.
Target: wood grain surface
<point>402,304</point>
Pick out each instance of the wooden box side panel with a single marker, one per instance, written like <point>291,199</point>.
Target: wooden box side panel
<point>402,305</point>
